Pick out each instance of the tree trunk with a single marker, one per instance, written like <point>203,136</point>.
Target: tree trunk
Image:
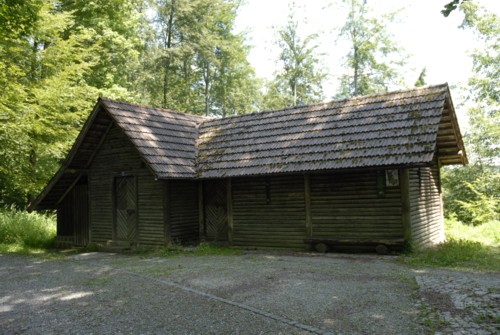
<point>207,87</point>
<point>168,46</point>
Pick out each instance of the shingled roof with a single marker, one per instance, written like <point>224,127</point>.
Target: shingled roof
<point>391,129</point>
<point>403,128</point>
<point>165,139</point>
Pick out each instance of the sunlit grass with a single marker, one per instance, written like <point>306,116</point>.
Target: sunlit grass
<point>24,232</point>
<point>466,247</point>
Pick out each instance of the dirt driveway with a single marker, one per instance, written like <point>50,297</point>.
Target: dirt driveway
<point>253,293</point>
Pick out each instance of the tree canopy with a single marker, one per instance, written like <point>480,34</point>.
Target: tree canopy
<point>374,58</point>
<point>300,76</point>
<point>472,192</point>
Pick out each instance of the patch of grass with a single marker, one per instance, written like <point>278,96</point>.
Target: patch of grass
<point>24,232</point>
<point>466,248</point>
<point>430,319</point>
<point>487,318</point>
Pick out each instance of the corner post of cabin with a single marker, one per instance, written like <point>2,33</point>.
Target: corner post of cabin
<point>230,224</point>
<point>405,203</point>
<point>307,199</point>
<point>441,203</point>
<point>166,211</point>
<point>201,216</point>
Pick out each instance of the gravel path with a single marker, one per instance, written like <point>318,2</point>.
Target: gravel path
<point>254,293</point>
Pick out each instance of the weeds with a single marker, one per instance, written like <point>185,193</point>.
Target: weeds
<point>25,232</point>
<point>466,247</point>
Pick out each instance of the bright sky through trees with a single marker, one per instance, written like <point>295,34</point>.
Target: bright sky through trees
<point>431,40</point>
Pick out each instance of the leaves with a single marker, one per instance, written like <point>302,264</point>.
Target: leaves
<point>472,193</point>
<point>299,81</point>
<point>373,60</point>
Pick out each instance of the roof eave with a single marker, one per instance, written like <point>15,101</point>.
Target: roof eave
<point>34,204</point>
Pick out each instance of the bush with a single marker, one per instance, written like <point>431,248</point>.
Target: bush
<point>471,193</point>
<point>24,230</point>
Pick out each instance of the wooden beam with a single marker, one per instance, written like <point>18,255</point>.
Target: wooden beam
<point>307,198</point>
<point>201,213</point>
<point>405,203</point>
<point>230,224</point>
<point>166,212</point>
<point>61,198</point>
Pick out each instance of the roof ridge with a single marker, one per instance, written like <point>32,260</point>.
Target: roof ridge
<point>327,103</point>
<point>167,110</point>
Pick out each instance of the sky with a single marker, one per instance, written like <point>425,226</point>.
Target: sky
<point>429,40</point>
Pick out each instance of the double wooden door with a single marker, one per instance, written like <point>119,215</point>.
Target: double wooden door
<point>215,199</point>
<point>125,209</point>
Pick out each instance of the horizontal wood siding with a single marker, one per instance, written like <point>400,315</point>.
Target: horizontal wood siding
<point>183,210</point>
<point>427,223</point>
<point>346,205</point>
<point>269,212</point>
<point>117,156</point>
<point>72,215</point>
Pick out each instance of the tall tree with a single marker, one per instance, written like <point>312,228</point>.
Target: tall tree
<point>421,78</point>
<point>46,97</point>
<point>300,77</point>
<point>373,59</point>
<point>116,33</point>
<point>196,63</point>
<point>56,58</point>
<point>472,192</point>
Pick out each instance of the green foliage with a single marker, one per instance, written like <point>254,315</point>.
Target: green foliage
<point>421,78</point>
<point>374,59</point>
<point>466,247</point>
<point>23,231</point>
<point>470,193</point>
<point>450,7</point>
<point>53,60</point>
<point>299,81</point>
<point>194,62</point>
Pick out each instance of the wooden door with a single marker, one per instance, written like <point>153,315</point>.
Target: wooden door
<point>126,209</point>
<point>215,199</point>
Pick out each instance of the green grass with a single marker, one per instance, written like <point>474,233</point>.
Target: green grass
<point>475,248</point>
<point>23,232</point>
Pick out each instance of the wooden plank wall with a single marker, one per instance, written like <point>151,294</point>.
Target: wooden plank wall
<point>72,216</point>
<point>182,202</point>
<point>115,157</point>
<point>427,223</point>
<point>347,205</point>
<point>65,225</point>
<point>268,212</point>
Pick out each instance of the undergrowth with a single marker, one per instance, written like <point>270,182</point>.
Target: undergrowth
<point>24,232</point>
<point>466,247</point>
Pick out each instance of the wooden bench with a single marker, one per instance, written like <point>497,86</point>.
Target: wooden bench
<point>381,246</point>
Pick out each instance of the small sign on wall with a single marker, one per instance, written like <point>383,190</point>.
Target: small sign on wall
<point>391,178</point>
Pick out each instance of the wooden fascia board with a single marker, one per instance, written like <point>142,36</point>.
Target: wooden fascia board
<point>456,127</point>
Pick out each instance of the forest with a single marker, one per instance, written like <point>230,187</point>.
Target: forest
<point>58,56</point>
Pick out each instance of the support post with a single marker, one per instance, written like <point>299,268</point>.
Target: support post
<point>201,216</point>
<point>307,198</point>
<point>405,203</point>
<point>166,212</point>
<point>230,224</point>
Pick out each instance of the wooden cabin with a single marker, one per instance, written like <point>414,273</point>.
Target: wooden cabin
<point>361,170</point>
